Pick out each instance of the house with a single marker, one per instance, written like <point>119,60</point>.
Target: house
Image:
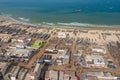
<point>4,67</point>
<point>51,49</point>
<point>20,47</point>
<point>32,76</point>
<point>1,76</point>
<point>27,77</point>
<point>51,75</point>
<point>21,39</point>
<point>13,78</point>
<point>14,72</point>
<point>62,35</point>
<point>5,37</point>
<point>66,77</point>
<point>99,76</point>
<point>92,78</point>
<point>47,59</point>
<point>47,75</point>
<point>22,74</point>
<point>59,61</point>
<point>36,68</point>
<point>74,78</point>
<point>61,75</point>
<point>98,49</point>
<point>95,61</point>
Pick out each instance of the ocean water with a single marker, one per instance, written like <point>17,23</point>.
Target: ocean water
<point>63,12</point>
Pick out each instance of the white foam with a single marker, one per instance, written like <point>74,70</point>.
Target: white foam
<point>5,15</point>
<point>85,24</point>
<point>46,23</point>
<point>76,24</point>
<point>73,24</point>
<point>24,19</point>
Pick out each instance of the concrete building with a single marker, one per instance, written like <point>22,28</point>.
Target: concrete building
<point>98,49</point>
<point>4,67</point>
<point>62,35</point>
<point>61,75</point>
<point>21,39</point>
<point>51,75</point>
<point>95,61</point>
<point>22,74</point>
<point>14,73</point>
<point>47,75</point>
<point>99,76</point>
<point>27,77</point>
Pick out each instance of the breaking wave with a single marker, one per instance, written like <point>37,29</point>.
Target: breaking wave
<point>72,24</point>
<point>23,19</point>
<point>77,24</point>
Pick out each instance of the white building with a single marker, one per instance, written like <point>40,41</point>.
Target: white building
<point>95,61</point>
<point>62,35</point>
<point>51,75</point>
<point>98,49</point>
<point>21,40</point>
<point>101,75</point>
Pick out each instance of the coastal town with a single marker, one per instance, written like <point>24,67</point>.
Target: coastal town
<point>29,52</point>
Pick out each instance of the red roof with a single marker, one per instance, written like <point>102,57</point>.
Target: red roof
<point>32,73</point>
<point>47,74</point>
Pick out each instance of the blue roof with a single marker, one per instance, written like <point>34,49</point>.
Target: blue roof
<point>84,76</point>
<point>112,66</point>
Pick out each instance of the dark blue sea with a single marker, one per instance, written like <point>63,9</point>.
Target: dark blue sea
<point>63,12</point>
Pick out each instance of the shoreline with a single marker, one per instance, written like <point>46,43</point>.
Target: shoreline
<point>97,27</point>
